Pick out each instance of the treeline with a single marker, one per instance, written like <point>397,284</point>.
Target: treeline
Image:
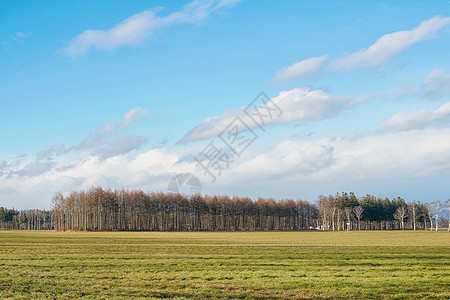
<point>31,219</point>
<point>346,211</point>
<point>98,209</point>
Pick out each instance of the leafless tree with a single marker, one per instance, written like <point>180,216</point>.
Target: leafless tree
<point>333,209</point>
<point>98,209</point>
<point>339,218</point>
<point>400,215</point>
<point>436,207</point>
<point>348,211</point>
<point>323,210</point>
<point>412,208</point>
<point>358,212</point>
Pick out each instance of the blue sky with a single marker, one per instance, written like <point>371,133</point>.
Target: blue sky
<point>128,94</point>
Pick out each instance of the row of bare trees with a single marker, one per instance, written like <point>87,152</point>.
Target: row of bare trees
<point>99,209</point>
<point>347,212</point>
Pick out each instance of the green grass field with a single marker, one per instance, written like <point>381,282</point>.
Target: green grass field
<point>392,265</point>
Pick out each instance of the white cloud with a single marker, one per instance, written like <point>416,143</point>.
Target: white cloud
<point>35,184</point>
<point>128,32</point>
<point>417,119</point>
<point>106,141</point>
<point>119,145</point>
<point>397,155</point>
<point>329,162</point>
<point>35,169</point>
<point>289,158</point>
<point>306,103</point>
<point>129,117</point>
<point>298,104</point>
<point>389,45</point>
<point>435,85</point>
<point>300,69</point>
<point>135,29</point>
<point>48,151</point>
<point>210,127</point>
<point>412,154</point>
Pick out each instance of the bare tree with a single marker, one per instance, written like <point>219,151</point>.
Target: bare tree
<point>333,213</point>
<point>358,212</point>
<point>400,215</point>
<point>436,207</point>
<point>348,211</point>
<point>323,210</point>
<point>412,208</point>
<point>339,215</point>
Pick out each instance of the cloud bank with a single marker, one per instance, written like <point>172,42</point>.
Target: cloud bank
<point>395,155</point>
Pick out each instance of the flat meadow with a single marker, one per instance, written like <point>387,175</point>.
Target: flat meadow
<point>227,265</point>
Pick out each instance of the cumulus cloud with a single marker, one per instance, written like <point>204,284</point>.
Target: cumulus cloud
<point>135,29</point>
<point>299,69</point>
<point>411,154</point>
<point>390,44</point>
<point>306,103</point>
<point>298,104</point>
<point>410,120</point>
<point>289,158</point>
<point>35,182</point>
<point>396,155</point>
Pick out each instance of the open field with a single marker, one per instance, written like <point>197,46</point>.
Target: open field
<point>45,264</point>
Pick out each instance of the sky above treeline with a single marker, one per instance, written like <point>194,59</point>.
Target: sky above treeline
<point>282,99</point>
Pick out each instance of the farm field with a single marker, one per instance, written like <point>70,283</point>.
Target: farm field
<point>243,265</point>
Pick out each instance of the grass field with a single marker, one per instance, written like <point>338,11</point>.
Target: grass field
<point>393,265</point>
